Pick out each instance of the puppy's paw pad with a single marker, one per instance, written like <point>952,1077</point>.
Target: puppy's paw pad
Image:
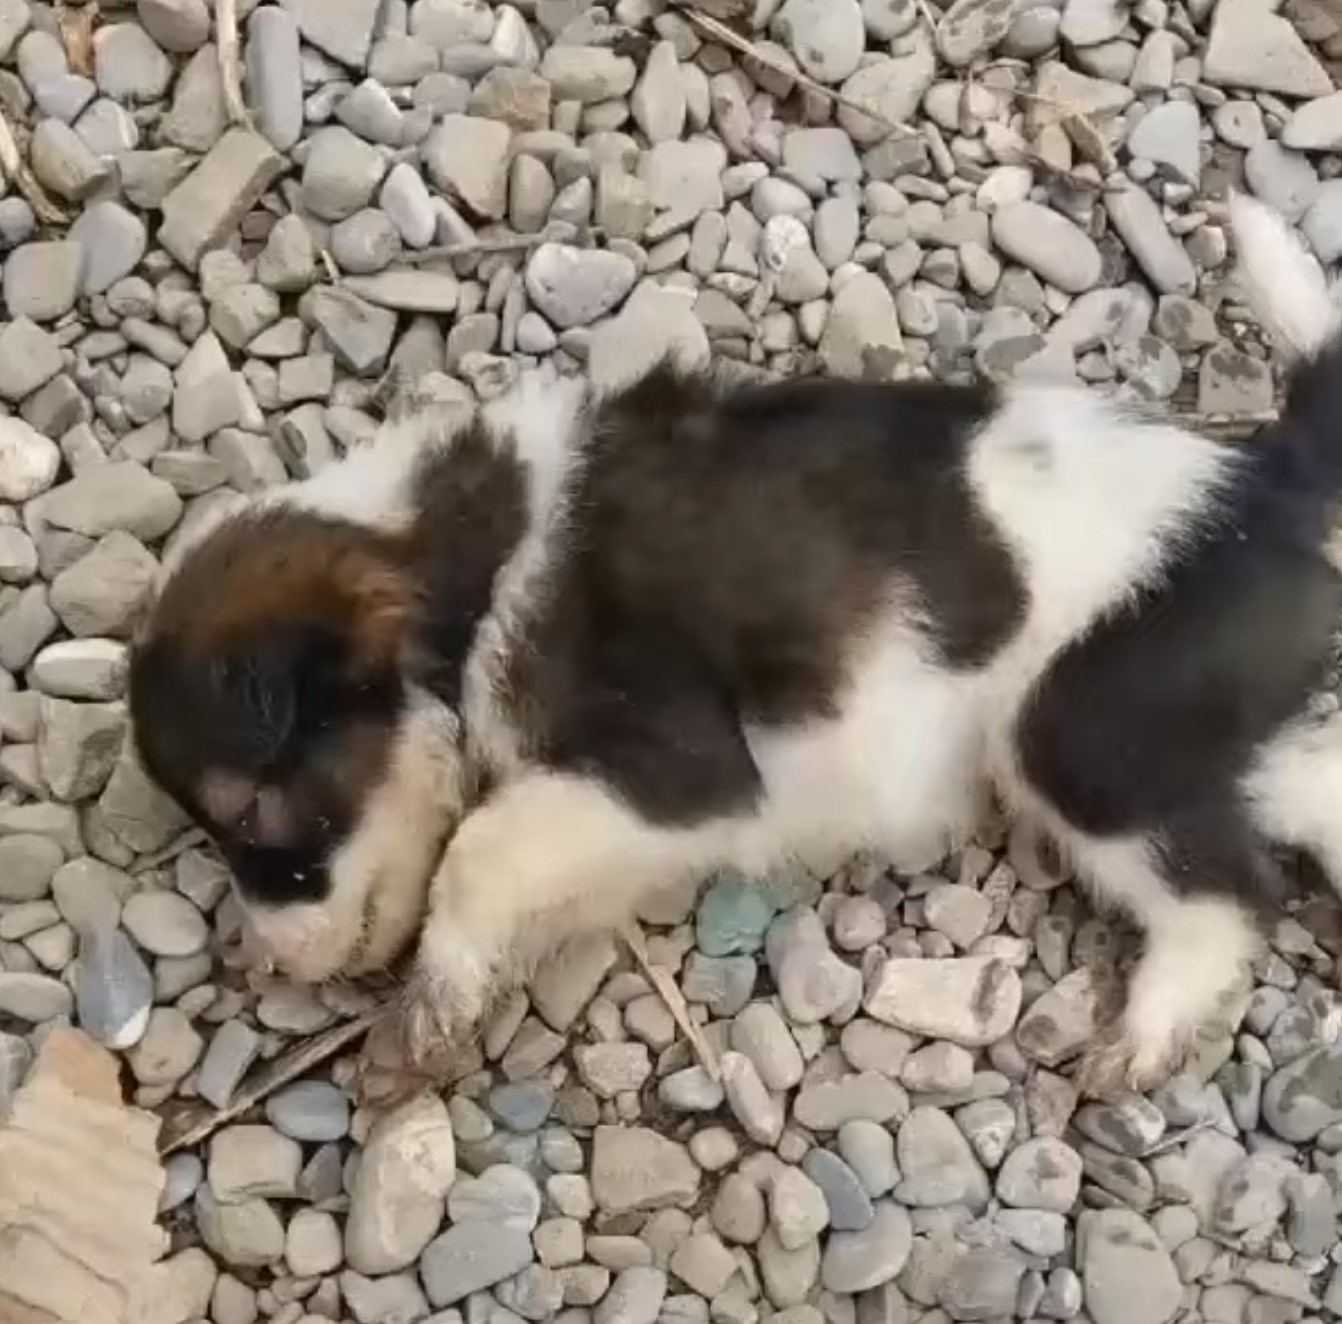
<point>444,1003</point>
<point>1117,1064</point>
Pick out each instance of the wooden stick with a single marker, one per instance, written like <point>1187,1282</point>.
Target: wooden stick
<point>513,243</point>
<point>16,170</point>
<point>719,31</point>
<point>199,1124</point>
<point>669,992</point>
<point>230,66</point>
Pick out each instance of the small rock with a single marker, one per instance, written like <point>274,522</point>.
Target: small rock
<point>634,1168</point>
<point>467,158</point>
<point>1048,244</point>
<point>862,335</point>
<point>28,461</point>
<point>813,984</point>
<point>313,1111</point>
<point>826,36</point>
<point>1138,222</point>
<point>128,65</point>
<point>114,990</point>
<point>1305,1097</point>
<point>41,280</point>
<point>180,26</point>
<point>1253,47</point>
<point>846,1196</point>
<point>575,286</point>
<point>971,1001</point>
<point>250,1162</point>
<point>32,997</point>
<point>275,75</point>
<point>1040,1174</point>
<point>732,916</point>
<point>1315,126</point>
<point>859,1261</point>
<point>471,1257</point>
<point>937,1164</point>
<point>397,1201</point>
<point>165,923</point>
<point>1128,1275</point>
<point>1169,137</point>
<point>971,28</point>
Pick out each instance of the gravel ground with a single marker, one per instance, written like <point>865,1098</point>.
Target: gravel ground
<point>197,308</point>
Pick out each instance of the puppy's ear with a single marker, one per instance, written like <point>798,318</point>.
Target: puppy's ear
<point>650,722</point>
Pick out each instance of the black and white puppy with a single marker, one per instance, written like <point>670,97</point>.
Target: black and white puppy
<point>599,646</point>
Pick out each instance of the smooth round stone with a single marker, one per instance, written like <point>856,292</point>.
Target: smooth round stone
<point>310,1110</point>
<point>850,1206</point>
<point>165,923</point>
<point>1049,245</point>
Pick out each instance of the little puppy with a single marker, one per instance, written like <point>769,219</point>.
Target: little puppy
<point>600,646</point>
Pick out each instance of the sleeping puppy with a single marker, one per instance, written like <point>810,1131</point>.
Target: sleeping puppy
<point>601,646</point>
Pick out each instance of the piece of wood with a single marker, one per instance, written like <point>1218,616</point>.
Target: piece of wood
<point>720,32</point>
<point>190,1128</point>
<point>80,1182</point>
<point>669,992</point>
<point>230,63</point>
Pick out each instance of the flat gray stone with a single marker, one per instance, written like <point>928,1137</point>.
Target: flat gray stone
<point>29,357</point>
<point>1137,220</point>
<point>634,1168</point>
<point>343,29</point>
<point>274,75</point>
<point>1050,245</point>
<point>938,1166</point>
<point>1128,1275</point>
<point>1169,137</point>
<point>1254,48</point>
<point>576,286</point>
<point>467,158</point>
<point>41,280</point>
<point>209,203</point>
<point>825,36</point>
<point>862,337</point>
<point>972,1001</point>
<point>111,240</point>
<point>859,1261</point>
<point>470,1258</point>
<point>1315,126</point>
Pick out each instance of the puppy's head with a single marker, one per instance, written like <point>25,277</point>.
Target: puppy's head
<point>269,696</point>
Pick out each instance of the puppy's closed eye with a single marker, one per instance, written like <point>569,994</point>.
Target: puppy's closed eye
<point>256,814</point>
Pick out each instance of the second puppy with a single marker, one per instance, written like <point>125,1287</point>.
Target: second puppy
<point>599,646</point>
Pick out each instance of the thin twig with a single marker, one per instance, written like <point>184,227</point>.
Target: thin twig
<point>721,32</point>
<point>1231,427</point>
<point>179,845</point>
<point>76,25</point>
<point>515,243</point>
<point>674,999</point>
<point>230,66</point>
<point>16,170</point>
<point>191,1128</point>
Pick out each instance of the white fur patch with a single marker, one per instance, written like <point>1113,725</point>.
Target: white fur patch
<point>1294,790</point>
<point>1281,279</point>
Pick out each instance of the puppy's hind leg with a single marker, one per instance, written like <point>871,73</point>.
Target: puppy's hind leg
<point>1198,945</point>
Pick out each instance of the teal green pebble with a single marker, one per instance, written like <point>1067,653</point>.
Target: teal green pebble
<point>733,916</point>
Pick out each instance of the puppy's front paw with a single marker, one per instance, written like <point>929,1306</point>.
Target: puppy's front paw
<point>1118,1062</point>
<point>444,1001</point>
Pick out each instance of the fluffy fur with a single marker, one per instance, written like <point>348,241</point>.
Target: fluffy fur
<point>602,646</point>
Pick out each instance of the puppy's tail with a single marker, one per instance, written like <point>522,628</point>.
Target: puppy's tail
<point>1281,280</point>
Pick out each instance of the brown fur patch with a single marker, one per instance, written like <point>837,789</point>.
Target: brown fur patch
<point>277,568</point>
